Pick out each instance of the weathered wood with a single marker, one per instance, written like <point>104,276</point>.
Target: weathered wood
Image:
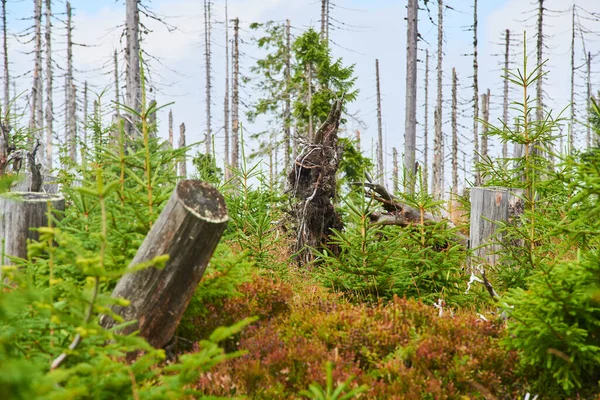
<point>19,213</point>
<point>187,230</point>
<point>490,205</point>
<point>49,184</point>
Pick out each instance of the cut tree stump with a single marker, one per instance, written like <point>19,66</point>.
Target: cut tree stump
<point>19,213</point>
<point>490,205</point>
<point>187,230</point>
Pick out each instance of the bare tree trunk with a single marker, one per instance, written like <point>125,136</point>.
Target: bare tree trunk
<point>475,100</point>
<point>410,124</point>
<point>425,177</point>
<point>117,88</point>
<point>183,162</point>
<point>71,103</point>
<point>454,133</point>
<point>85,116</point>
<point>327,23</point>
<point>540,48</point>
<point>171,128</point>
<point>323,19</point>
<point>588,96</point>
<point>5,53</point>
<point>36,93</point>
<point>438,152</point>
<point>287,114</point>
<point>207,28</point>
<point>395,174</point>
<point>485,114</point>
<point>49,105</point>
<point>379,129</point>
<point>226,99</point>
<point>572,107</point>
<point>235,96</point>
<point>188,231</point>
<point>505,97</point>
<point>132,54</point>
<point>309,102</point>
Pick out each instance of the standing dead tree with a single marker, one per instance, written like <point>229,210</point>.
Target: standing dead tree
<point>505,89</point>
<point>312,183</point>
<point>49,108</point>
<point>426,127</point>
<point>235,122</point>
<point>132,66</point>
<point>475,99</point>
<point>71,104</point>
<point>226,99</point>
<point>207,54</point>
<point>437,183</point>
<point>380,172</point>
<point>410,121</point>
<point>5,55</point>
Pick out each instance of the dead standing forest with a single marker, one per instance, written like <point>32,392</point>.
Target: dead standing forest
<point>287,260</point>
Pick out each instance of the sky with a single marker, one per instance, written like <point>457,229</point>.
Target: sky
<point>361,31</point>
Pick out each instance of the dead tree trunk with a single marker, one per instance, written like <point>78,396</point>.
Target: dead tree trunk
<point>588,101</point>
<point>395,173</point>
<point>485,114</point>
<point>226,100</point>
<point>505,97</point>
<point>71,102</point>
<point>490,205</point>
<point>36,93</point>
<point>235,122</point>
<point>187,230</point>
<point>132,54</point>
<point>410,124</point>
<point>425,178</point>
<point>475,99</point>
<point>572,107</point>
<point>183,162</point>
<point>287,114</point>
<point>117,89</point>
<point>49,105</point>
<point>170,128</point>
<point>5,54</point>
<point>208,135</point>
<point>312,183</point>
<point>437,186</point>
<point>454,134</point>
<point>540,47</point>
<point>19,213</point>
<point>379,129</point>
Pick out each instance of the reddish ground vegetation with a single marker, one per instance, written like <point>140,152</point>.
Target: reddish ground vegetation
<point>401,349</point>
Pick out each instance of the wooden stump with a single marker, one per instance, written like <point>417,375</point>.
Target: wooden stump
<point>19,213</point>
<point>188,230</point>
<point>490,205</point>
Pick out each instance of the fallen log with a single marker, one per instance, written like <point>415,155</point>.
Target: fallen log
<point>20,212</point>
<point>187,230</point>
<point>400,214</point>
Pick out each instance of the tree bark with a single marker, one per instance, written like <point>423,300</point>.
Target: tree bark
<point>475,99</point>
<point>49,85</point>
<point>188,231</point>
<point>183,162</point>
<point>454,134</point>
<point>19,213</point>
<point>410,121</point>
<point>485,115</point>
<point>395,174</point>
<point>132,76</point>
<point>171,128</point>
<point>588,102</point>
<point>226,100</point>
<point>235,96</point>
<point>490,205</point>
<point>437,186</point>
<point>36,92</point>
<point>5,54</point>
<point>287,114</point>
<point>572,107</point>
<point>381,173</point>
<point>540,48</point>
<point>71,102</point>
<point>117,88</point>
<point>426,127</point>
<point>505,97</point>
<point>207,51</point>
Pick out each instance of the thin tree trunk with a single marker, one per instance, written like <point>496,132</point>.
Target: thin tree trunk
<point>425,177</point>
<point>572,107</point>
<point>71,104</point>
<point>132,53</point>
<point>410,127</point>
<point>85,116</point>
<point>170,128</point>
<point>327,23</point>
<point>287,112</point>
<point>207,28</point>
<point>117,88</point>
<point>235,96</point>
<point>438,155</point>
<point>49,105</point>
<point>505,92</point>
<point>309,102</point>
<point>475,100</point>
<point>5,53</point>
<point>454,133</point>
<point>323,19</point>
<point>183,162</point>
<point>395,174</point>
<point>379,128</point>
<point>540,48</point>
<point>588,96</point>
<point>37,69</point>
<point>485,114</point>
<point>226,99</point>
